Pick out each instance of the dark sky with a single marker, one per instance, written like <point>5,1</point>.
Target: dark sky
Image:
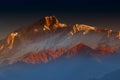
<point>17,13</point>
<point>59,5</point>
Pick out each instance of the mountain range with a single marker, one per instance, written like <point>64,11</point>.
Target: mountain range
<point>49,39</point>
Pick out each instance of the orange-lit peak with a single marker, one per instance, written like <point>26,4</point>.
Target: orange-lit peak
<point>51,22</point>
<point>82,27</point>
<point>10,40</point>
<point>2,47</point>
<point>85,29</point>
<point>109,33</point>
<point>119,35</point>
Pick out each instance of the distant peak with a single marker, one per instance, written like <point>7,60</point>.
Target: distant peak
<point>51,22</point>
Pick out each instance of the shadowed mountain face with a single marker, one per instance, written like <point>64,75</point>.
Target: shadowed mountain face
<point>114,75</point>
<point>49,39</point>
